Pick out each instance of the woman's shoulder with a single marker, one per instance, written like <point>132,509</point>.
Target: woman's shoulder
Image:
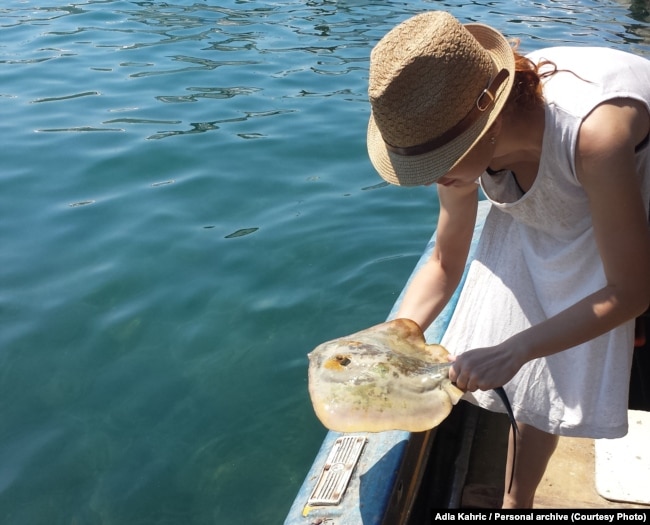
<point>587,76</point>
<point>591,54</point>
<point>621,125</point>
<point>595,64</point>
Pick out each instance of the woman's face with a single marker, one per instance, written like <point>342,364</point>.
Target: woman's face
<point>470,168</point>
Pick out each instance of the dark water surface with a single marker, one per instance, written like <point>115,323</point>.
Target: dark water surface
<point>187,209</point>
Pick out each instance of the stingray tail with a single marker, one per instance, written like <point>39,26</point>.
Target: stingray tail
<point>515,430</point>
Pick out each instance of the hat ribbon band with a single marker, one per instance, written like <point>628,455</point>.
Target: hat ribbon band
<point>479,107</point>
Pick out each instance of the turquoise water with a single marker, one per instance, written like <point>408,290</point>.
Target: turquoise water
<point>187,209</point>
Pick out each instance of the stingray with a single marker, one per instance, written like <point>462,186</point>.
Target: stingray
<point>385,377</point>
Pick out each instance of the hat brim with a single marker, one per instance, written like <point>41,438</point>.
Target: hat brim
<point>427,168</point>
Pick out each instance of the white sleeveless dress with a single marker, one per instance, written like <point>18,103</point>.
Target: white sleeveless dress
<point>537,256</point>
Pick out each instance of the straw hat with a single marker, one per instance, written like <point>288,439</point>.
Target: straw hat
<point>435,88</point>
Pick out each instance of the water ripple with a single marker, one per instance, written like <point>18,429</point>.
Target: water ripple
<point>66,97</point>
<point>151,331</point>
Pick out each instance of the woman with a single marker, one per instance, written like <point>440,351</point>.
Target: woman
<point>558,141</point>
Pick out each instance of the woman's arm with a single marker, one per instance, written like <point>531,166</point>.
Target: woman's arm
<point>435,282</point>
<point>606,169</point>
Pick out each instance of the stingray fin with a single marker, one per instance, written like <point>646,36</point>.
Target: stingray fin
<point>515,429</point>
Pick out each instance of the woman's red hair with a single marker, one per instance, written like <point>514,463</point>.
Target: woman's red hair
<point>527,89</point>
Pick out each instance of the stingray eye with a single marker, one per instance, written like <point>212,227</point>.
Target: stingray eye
<point>342,360</point>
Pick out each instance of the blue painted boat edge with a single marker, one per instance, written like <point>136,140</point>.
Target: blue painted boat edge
<point>371,482</point>
<point>375,474</point>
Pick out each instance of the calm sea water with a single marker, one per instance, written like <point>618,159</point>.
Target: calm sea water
<point>187,209</point>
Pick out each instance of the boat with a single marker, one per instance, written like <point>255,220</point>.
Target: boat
<point>402,478</point>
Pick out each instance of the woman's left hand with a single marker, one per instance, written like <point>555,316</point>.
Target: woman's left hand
<point>485,368</point>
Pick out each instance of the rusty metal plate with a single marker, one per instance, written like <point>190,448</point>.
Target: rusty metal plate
<point>337,470</point>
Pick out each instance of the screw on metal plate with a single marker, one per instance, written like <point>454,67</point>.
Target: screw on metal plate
<point>337,471</point>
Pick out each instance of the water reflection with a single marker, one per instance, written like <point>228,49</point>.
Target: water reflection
<point>159,295</point>
<point>639,11</point>
<point>292,42</point>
